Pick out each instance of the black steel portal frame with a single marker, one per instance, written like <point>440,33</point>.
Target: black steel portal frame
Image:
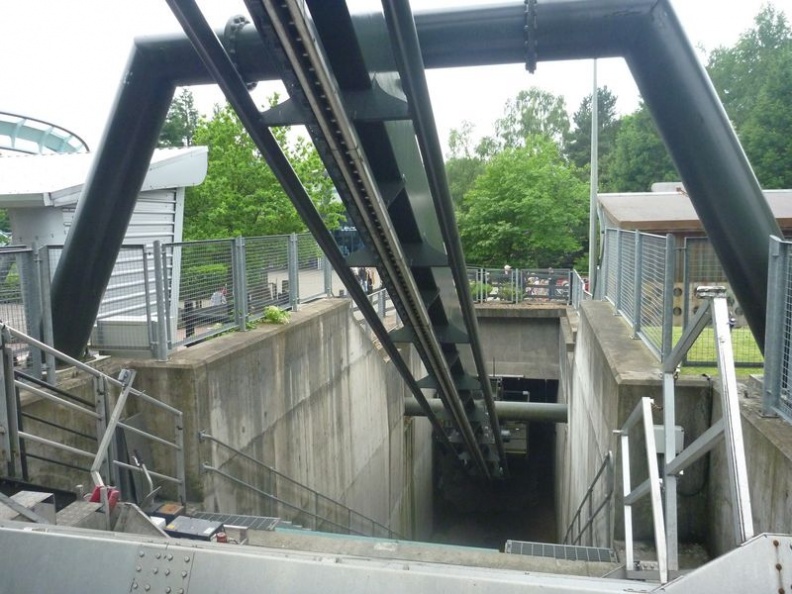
<point>378,180</point>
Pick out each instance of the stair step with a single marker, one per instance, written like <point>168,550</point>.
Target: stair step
<point>28,506</point>
<point>560,551</point>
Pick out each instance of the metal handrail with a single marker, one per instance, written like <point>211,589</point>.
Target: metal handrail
<point>350,512</point>
<point>105,434</point>
<point>607,464</point>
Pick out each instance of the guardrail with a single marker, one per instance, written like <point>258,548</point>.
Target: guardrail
<point>516,285</point>
<point>105,459</point>
<point>576,531</point>
<point>322,513</point>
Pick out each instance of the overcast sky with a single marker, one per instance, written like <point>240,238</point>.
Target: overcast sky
<point>62,61</point>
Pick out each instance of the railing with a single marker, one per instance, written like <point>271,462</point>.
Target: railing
<point>321,512</point>
<point>513,285</point>
<point>778,341</point>
<point>576,531</point>
<point>651,486</point>
<point>73,437</point>
<point>714,310</point>
<point>579,290</point>
<point>638,279</point>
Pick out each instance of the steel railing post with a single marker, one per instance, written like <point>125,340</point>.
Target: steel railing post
<point>328,276</point>
<point>180,468</point>
<point>161,346</point>
<point>619,271</point>
<point>239,280</point>
<point>31,302</point>
<point>776,313</point>
<point>47,337</point>
<point>637,284</point>
<point>667,336</point>
<point>294,272</point>
<point>9,433</point>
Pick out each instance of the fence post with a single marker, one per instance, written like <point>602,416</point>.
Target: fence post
<point>685,289</point>
<point>31,302</point>
<point>294,272</point>
<point>328,276</point>
<point>668,297</point>
<point>239,280</point>
<point>619,268</point>
<point>637,284</point>
<point>774,338</point>
<point>9,438</point>
<point>47,338</point>
<point>161,344</point>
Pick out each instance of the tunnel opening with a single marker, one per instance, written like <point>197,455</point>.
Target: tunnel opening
<point>481,513</point>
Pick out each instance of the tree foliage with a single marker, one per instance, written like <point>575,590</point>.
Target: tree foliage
<point>754,81</point>
<point>181,121</point>
<point>528,208</point>
<point>639,156</point>
<point>578,143</point>
<point>464,165</point>
<point>531,113</point>
<point>240,195</point>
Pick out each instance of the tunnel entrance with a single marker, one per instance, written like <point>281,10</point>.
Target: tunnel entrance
<point>479,513</point>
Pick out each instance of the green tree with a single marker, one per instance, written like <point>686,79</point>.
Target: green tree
<point>639,156</point>
<point>181,121</point>
<point>533,112</point>
<point>464,165</point>
<point>754,81</point>
<point>578,144</point>
<point>529,208</point>
<point>240,195</point>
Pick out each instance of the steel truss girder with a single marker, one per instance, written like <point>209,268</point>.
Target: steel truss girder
<point>353,164</point>
<point>222,68</point>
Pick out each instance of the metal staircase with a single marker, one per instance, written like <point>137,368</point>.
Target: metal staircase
<point>284,499</point>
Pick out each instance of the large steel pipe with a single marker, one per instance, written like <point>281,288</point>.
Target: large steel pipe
<point>702,143</point>
<point>547,412</point>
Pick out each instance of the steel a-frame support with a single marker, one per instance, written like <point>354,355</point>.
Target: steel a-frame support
<point>714,309</point>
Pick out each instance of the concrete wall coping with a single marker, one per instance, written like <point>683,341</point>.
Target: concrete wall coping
<point>522,310</point>
<point>221,347</point>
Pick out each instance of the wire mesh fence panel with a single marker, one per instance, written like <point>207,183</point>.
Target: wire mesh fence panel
<point>266,268</point>
<point>627,268</point>
<point>544,284</point>
<point>205,284</point>
<point>310,267</point>
<point>611,265</point>
<point>702,267</point>
<point>19,297</point>
<point>653,276</point>
<point>778,341</point>
<point>125,316</point>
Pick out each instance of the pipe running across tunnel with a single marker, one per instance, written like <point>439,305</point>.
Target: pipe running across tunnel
<point>690,117</point>
<point>549,412</point>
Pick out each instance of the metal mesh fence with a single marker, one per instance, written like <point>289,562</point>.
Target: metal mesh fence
<point>517,285</point>
<point>778,339</point>
<point>627,269</point>
<point>611,264</point>
<point>266,270</point>
<point>20,305</point>
<point>702,267</point>
<point>310,268</point>
<point>201,274</point>
<point>652,288</point>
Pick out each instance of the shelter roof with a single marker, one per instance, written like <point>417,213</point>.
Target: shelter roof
<point>672,211</point>
<point>58,179</point>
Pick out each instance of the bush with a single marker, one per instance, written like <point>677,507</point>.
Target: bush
<point>275,315</point>
<point>203,280</point>
<point>480,290</point>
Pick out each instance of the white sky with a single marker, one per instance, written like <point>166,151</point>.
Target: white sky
<point>62,61</point>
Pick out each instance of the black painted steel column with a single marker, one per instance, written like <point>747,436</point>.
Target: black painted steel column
<point>106,207</point>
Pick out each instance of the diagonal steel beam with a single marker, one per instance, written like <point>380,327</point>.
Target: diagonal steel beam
<point>225,74</point>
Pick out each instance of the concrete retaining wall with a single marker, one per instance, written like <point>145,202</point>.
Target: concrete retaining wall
<point>768,450</point>
<point>611,372</point>
<point>313,399</point>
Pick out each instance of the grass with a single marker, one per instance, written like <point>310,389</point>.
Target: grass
<point>746,352</point>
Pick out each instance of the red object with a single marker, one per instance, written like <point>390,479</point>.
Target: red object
<point>113,496</point>
<point>222,537</point>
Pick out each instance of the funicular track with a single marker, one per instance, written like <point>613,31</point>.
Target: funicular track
<point>427,286</point>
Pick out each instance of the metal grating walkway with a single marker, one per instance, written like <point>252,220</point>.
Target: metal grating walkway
<point>557,551</point>
<point>251,522</point>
